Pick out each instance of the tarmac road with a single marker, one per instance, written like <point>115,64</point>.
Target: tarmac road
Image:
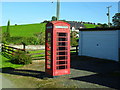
<point>5,83</point>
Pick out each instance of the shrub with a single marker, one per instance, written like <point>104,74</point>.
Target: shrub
<point>73,38</point>
<point>19,40</point>
<point>21,57</point>
<point>29,40</point>
<point>40,38</point>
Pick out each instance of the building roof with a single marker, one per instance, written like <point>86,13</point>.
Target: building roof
<point>98,29</point>
<point>76,25</point>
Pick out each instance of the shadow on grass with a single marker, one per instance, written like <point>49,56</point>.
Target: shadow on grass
<point>23,72</point>
<point>104,69</point>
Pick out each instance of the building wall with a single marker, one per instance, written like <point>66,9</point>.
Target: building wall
<point>119,37</point>
<point>119,42</point>
<point>100,44</point>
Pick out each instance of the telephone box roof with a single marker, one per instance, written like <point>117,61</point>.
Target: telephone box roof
<point>55,22</point>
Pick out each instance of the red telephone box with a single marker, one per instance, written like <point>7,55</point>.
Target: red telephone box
<point>57,48</point>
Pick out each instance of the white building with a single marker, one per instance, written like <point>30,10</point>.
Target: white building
<point>100,43</point>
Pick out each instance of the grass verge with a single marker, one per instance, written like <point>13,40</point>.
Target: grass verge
<point>6,63</point>
<point>38,56</point>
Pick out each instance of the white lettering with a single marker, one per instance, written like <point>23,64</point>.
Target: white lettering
<point>61,26</point>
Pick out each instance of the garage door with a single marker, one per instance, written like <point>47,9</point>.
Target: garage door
<point>100,44</point>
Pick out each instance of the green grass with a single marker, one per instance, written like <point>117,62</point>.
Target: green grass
<point>27,30</point>
<point>38,51</point>
<point>43,51</point>
<point>6,63</point>
<point>91,26</point>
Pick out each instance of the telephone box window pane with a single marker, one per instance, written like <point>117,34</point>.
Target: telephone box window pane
<point>49,34</point>
<point>48,66</point>
<point>61,67</point>
<point>62,34</point>
<point>62,48</point>
<point>62,44</point>
<point>49,39</point>
<point>61,57</point>
<point>49,51</point>
<point>61,53</point>
<point>49,47</point>
<point>49,44</point>
<point>61,62</point>
<point>62,39</point>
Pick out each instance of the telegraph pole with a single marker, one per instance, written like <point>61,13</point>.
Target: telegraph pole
<point>108,14</point>
<point>58,9</point>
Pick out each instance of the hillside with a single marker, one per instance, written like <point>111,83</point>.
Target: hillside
<point>29,30</point>
<point>26,33</point>
<point>91,25</point>
<point>25,30</point>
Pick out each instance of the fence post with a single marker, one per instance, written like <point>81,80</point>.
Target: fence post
<point>77,49</point>
<point>23,46</point>
<point>2,49</point>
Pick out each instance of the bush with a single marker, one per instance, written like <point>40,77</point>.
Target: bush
<point>73,38</point>
<point>21,57</point>
<point>40,38</point>
<point>19,40</point>
<point>30,40</point>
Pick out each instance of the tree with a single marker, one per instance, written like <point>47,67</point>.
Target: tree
<point>99,24</point>
<point>6,35</point>
<point>104,25</point>
<point>45,21</point>
<point>8,29</point>
<point>116,20</point>
<point>54,18</point>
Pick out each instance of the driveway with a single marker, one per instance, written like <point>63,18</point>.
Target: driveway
<point>86,72</point>
<point>5,83</point>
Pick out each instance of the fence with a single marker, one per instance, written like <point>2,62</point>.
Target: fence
<point>76,49</point>
<point>40,55</point>
<point>10,50</point>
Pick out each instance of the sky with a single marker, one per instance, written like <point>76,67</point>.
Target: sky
<point>36,12</point>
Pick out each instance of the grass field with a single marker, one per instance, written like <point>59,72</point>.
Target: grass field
<point>25,30</point>
<point>29,30</point>
<point>91,26</point>
<point>6,63</point>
